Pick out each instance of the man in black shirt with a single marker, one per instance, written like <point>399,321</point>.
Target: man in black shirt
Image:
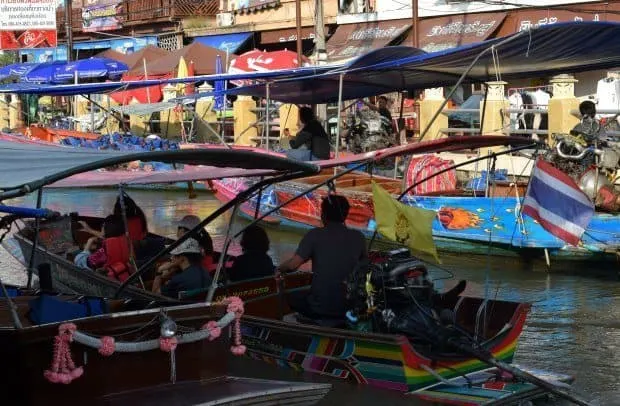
<point>335,250</point>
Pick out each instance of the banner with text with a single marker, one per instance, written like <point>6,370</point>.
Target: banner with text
<point>27,24</point>
<point>101,15</point>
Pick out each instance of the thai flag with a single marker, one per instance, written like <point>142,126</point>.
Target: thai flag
<point>557,203</point>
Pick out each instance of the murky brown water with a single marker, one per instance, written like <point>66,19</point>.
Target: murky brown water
<point>574,326</point>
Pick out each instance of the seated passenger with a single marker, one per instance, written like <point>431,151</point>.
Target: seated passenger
<point>312,142</point>
<point>184,225</point>
<point>93,245</point>
<point>335,251</point>
<point>187,257</point>
<point>112,228</point>
<point>254,262</point>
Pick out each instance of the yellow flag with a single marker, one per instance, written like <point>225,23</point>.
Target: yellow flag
<point>404,224</point>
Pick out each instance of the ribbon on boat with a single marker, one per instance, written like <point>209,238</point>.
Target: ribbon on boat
<point>63,369</point>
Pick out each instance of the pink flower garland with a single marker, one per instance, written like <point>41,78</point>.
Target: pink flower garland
<point>214,330</point>
<point>63,368</point>
<point>107,346</point>
<point>168,344</point>
<point>235,305</point>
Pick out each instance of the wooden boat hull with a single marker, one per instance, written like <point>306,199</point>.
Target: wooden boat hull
<point>380,360</point>
<point>29,353</point>
<point>200,367</point>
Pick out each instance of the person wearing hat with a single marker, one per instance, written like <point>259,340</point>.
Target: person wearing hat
<point>187,257</point>
<point>184,225</point>
<point>187,223</point>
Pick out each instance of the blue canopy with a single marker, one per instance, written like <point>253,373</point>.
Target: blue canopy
<point>92,68</point>
<point>543,51</point>
<point>96,88</point>
<point>43,73</point>
<point>16,69</point>
<point>226,42</point>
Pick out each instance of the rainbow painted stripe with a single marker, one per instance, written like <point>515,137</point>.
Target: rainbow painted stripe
<point>392,363</point>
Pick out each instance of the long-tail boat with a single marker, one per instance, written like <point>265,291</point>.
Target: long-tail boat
<point>70,349</point>
<point>467,222</point>
<point>387,360</point>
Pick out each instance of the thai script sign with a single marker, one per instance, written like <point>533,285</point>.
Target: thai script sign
<point>101,15</point>
<point>477,28</point>
<point>27,24</point>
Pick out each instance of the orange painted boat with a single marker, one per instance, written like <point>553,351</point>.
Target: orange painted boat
<point>54,135</point>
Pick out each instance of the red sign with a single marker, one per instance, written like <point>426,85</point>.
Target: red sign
<point>28,39</point>
<point>27,24</point>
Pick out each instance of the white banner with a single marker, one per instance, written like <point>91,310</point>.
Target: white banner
<point>22,15</point>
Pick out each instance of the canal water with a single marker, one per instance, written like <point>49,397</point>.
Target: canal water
<point>574,325</point>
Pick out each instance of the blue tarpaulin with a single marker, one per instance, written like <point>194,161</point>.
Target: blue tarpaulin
<point>226,42</point>
<point>543,51</point>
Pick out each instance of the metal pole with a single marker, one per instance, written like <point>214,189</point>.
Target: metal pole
<point>35,241</point>
<point>298,25</point>
<point>267,131</point>
<point>414,24</point>
<point>69,29</point>
<point>220,263</point>
<point>339,114</point>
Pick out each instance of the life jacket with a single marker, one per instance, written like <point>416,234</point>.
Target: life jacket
<point>117,262</point>
<point>136,231</point>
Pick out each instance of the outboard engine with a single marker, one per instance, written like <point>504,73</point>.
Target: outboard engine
<point>395,294</point>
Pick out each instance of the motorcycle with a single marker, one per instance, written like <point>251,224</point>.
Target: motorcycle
<point>368,131</point>
<point>590,154</point>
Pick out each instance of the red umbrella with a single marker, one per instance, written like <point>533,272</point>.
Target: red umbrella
<point>242,64</point>
<point>276,60</point>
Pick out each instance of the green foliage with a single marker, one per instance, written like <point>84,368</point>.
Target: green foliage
<point>8,57</point>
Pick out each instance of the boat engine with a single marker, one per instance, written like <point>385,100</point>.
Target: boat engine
<point>591,157</point>
<point>395,293</point>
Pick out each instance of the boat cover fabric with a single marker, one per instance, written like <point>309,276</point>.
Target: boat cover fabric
<point>33,165</point>
<point>423,168</point>
<point>457,143</point>
<point>543,51</point>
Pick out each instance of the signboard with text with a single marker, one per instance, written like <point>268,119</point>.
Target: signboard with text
<point>27,24</point>
<point>101,15</point>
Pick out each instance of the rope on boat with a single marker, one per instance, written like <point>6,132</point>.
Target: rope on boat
<point>63,369</point>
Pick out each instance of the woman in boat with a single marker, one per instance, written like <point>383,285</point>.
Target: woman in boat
<point>188,258</point>
<point>136,219</point>
<point>254,262</point>
<point>311,142</point>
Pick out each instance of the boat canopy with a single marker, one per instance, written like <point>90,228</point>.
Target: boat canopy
<point>108,87</point>
<point>25,167</point>
<point>457,143</point>
<point>543,51</point>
